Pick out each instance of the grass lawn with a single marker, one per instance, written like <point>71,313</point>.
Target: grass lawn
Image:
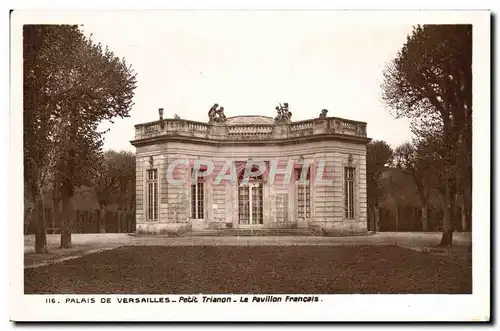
<point>253,269</point>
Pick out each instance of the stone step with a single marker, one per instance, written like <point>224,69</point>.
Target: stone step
<point>251,232</point>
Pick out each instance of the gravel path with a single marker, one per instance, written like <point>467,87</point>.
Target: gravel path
<point>88,243</point>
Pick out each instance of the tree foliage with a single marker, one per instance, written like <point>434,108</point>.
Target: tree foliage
<point>432,73</point>
<point>379,155</point>
<point>71,85</point>
<point>430,81</point>
<point>116,176</point>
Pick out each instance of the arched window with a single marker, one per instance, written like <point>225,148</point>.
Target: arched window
<point>241,175</point>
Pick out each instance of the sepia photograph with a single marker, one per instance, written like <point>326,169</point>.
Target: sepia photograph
<point>252,160</point>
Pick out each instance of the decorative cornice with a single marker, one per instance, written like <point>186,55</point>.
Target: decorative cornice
<point>223,134</point>
<point>229,142</point>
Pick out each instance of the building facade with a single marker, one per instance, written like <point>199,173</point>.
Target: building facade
<point>251,172</point>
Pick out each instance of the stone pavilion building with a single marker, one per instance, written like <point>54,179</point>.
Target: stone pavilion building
<point>251,172</point>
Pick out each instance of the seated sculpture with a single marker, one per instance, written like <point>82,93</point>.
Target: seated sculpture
<point>216,114</point>
<point>284,115</point>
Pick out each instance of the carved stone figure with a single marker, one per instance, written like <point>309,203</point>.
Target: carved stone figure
<point>323,113</point>
<point>284,115</point>
<point>220,116</point>
<point>211,112</point>
<point>216,114</point>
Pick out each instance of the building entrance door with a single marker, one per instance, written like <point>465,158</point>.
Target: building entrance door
<point>250,204</point>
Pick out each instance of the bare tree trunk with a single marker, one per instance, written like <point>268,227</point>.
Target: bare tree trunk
<point>463,213</point>
<point>28,214</point>
<point>68,212</point>
<point>425,220</point>
<point>370,218</point>
<point>397,218</point>
<point>55,201</point>
<point>102,219</point>
<point>377,219</point>
<point>120,222</point>
<point>40,234</point>
<point>464,219</point>
<point>67,220</point>
<point>53,215</point>
<point>42,205</point>
<point>447,237</point>
<point>31,213</point>
<point>468,211</point>
<point>68,187</point>
<point>58,213</point>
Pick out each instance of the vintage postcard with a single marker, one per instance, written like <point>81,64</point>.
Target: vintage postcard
<point>250,165</point>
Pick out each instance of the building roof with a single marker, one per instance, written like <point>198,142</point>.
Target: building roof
<point>249,119</point>
<point>250,129</point>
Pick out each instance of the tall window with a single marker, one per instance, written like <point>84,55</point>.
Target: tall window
<point>198,198</point>
<point>349,192</point>
<point>303,195</point>
<point>152,194</point>
<point>282,207</point>
<point>250,200</point>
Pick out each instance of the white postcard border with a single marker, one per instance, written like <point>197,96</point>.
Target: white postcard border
<point>333,307</point>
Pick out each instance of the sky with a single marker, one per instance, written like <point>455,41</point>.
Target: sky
<point>249,61</point>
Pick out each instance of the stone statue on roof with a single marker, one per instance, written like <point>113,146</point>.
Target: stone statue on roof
<point>216,114</point>
<point>284,115</point>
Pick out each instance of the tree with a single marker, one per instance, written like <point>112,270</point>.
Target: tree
<point>116,173</point>
<point>423,163</point>
<point>430,81</point>
<point>406,157</point>
<point>379,155</point>
<point>400,195</point>
<point>43,129</point>
<point>73,84</point>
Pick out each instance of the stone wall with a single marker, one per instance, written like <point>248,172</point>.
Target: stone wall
<point>221,204</point>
